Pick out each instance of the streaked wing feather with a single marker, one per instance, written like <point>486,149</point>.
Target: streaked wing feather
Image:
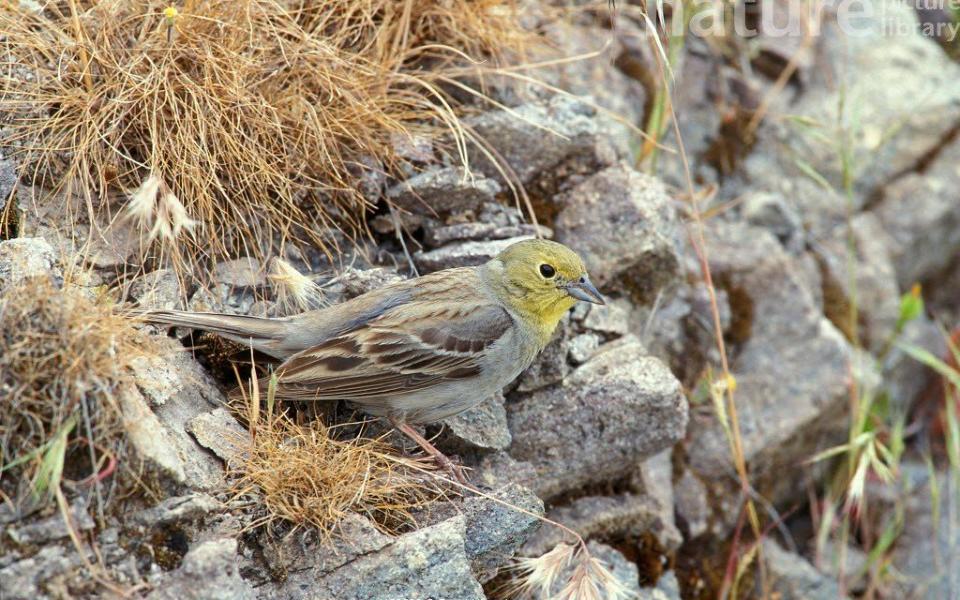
<point>406,349</point>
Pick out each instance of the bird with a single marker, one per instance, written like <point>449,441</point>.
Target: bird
<point>422,349</point>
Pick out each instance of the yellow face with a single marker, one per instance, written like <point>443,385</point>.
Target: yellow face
<point>545,279</point>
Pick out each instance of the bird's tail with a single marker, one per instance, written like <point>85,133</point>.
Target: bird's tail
<point>256,331</point>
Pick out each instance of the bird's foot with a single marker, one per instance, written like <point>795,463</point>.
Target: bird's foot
<point>456,471</point>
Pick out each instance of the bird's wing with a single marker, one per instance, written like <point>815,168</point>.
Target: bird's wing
<point>407,348</point>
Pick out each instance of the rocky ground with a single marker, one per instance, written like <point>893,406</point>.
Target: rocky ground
<point>609,432</point>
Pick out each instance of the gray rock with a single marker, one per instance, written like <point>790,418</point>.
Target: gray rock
<point>583,346</point>
<point>495,531</point>
<point>791,366</point>
<point>904,377</point>
<point>112,246</point>
<point>52,528</point>
<point>8,179</point>
<point>209,570</point>
<point>874,280</point>
<point>887,132</point>
<point>177,510</point>
<point>611,412</point>
<point>921,214</point>
<point>667,588</point>
<point>23,258</point>
<point>464,254</point>
<point>304,556</point>
<point>219,432</point>
<point>534,137</point>
<point>482,428</point>
<point>26,579</point>
<point>356,282</point>
<point>438,236</point>
<point>610,319</point>
<point>594,216</point>
<point>240,272</point>
<point>443,191</point>
<point>793,578</point>
<point>691,502</point>
<point>430,562</point>
<point>172,389</point>
<point>773,212</point>
<point>854,561</point>
<point>501,469</point>
<point>611,518</point>
<point>158,289</point>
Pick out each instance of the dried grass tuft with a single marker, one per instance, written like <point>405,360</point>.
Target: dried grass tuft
<point>294,292</point>
<point>259,117</point>
<point>63,357</point>
<point>568,572</point>
<point>303,475</point>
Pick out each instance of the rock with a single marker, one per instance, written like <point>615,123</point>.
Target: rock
<point>583,346</point>
<point>482,428</point>
<point>594,215</point>
<point>27,579</point>
<point>304,556</point>
<point>612,518</point>
<point>692,508</point>
<point>793,578</point>
<point>219,432</point>
<point>464,254</point>
<point>855,565</point>
<point>356,282</point>
<point>874,280</point>
<point>667,588</point>
<point>177,510</point>
<point>209,570</point>
<point>609,319</point>
<point>52,528</point>
<point>881,131</point>
<point>550,366</point>
<point>158,289</point>
<point>172,390</point>
<point>240,272</point>
<point>534,137</point>
<point>904,377</point>
<point>112,246</point>
<point>775,214</point>
<point>495,531</point>
<point>23,258</point>
<point>430,562</point>
<point>613,411</point>
<point>921,214</point>
<point>500,469</point>
<point>438,236</point>
<point>791,365</point>
<point>443,191</point>
<point>8,180</point>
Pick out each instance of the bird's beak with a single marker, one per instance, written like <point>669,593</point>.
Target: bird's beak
<point>584,290</point>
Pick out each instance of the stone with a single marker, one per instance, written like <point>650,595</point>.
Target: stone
<point>111,247</point>
<point>219,432</point>
<point>240,272</point>
<point>500,469</point>
<point>610,319</point>
<point>176,510</point>
<point>610,413</point>
<point>430,562</point>
<point>667,588</point>
<point>356,282</point>
<point>495,531</point>
<point>482,428</point>
<point>692,508</point>
<point>209,570</point>
<point>24,258</point>
<point>158,289</point>
<point>874,280</point>
<point>443,191</point>
<point>52,528</point>
<point>775,214</point>
<point>881,132</point>
<point>171,390</point>
<point>582,347</point>
<point>533,137</point>
<point>438,236</point>
<point>921,215</point>
<point>616,517</point>
<point>792,367</point>
<point>26,578</point>
<point>593,216</point>
<point>463,254</point>
<point>8,180</point>
<point>793,578</point>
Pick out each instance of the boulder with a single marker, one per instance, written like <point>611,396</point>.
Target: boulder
<point>23,258</point>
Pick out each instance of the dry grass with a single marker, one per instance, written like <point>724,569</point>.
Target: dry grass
<point>258,118</point>
<point>63,357</point>
<point>568,572</point>
<point>303,475</point>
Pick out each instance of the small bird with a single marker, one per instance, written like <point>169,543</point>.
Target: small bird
<point>419,350</point>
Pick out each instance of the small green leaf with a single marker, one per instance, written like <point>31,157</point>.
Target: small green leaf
<point>911,305</point>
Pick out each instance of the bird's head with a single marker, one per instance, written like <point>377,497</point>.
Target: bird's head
<point>543,279</point>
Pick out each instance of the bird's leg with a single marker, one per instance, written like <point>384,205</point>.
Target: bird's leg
<point>441,459</point>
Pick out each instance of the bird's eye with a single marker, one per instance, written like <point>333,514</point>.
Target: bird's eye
<point>547,271</point>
